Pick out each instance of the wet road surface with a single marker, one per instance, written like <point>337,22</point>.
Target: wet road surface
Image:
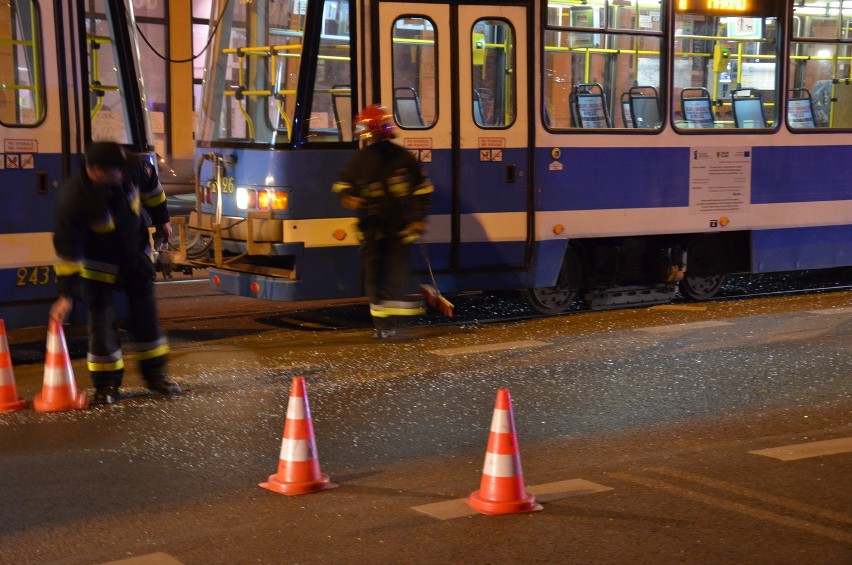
<point>655,411</point>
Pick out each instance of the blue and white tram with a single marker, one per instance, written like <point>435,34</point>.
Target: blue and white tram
<point>69,73</point>
<point>613,149</point>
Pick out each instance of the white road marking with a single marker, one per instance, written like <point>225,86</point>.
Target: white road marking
<point>841,535</point>
<point>672,328</point>
<point>746,492</point>
<point>547,492</point>
<point>806,450</point>
<point>526,344</point>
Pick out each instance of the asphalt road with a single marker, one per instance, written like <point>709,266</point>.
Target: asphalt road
<point>636,428</point>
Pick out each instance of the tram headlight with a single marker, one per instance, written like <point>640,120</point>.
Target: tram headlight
<point>242,198</point>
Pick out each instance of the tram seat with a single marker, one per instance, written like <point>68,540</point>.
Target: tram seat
<point>342,107</point>
<point>747,104</point>
<point>626,113</point>
<point>800,110</point>
<point>589,106</point>
<point>406,107</point>
<point>645,107</point>
<point>697,107</point>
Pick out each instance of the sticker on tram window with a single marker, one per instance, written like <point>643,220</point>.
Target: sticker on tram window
<point>34,276</point>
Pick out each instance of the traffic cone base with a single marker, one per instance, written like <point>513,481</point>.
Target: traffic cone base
<point>295,488</point>
<point>59,399</point>
<point>495,507</point>
<point>9,400</point>
<point>59,391</point>
<point>12,406</point>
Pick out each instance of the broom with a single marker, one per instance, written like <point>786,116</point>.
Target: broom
<point>431,294</point>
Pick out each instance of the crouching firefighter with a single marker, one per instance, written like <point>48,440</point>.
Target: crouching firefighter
<point>102,244</point>
<point>385,184</point>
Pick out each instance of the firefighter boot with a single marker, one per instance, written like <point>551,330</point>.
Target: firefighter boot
<point>163,385</point>
<point>383,328</point>
<point>106,387</point>
<point>156,378</point>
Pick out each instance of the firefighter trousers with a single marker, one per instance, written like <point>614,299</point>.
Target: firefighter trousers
<point>386,263</point>
<point>105,360</point>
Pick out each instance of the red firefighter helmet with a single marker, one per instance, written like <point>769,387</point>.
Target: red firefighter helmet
<point>375,122</point>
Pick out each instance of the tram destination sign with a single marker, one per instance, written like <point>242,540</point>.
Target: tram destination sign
<point>755,8</point>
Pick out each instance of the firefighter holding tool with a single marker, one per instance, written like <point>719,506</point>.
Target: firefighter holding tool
<point>385,184</point>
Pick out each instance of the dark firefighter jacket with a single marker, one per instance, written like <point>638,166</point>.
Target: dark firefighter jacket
<point>101,230</point>
<point>395,190</point>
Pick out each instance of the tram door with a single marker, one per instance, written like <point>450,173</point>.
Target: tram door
<point>456,77</point>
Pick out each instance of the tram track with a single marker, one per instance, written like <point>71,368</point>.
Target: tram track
<point>471,308</point>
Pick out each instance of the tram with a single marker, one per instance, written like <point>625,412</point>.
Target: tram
<point>611,150</point>
<point>70,75</point>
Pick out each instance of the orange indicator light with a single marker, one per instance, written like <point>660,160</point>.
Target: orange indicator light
<point>263,200</point>
<point>279,200</point>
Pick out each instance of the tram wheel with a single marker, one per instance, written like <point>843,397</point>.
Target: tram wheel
<point>556,299</point>
<point>705,272</point>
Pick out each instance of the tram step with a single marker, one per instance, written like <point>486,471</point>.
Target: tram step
<point>618,296</point>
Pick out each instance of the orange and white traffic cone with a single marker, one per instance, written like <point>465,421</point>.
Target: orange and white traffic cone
<point>9,400</point>
<point>59,391</point>
<point>298,466</point>
<point>502,490</point>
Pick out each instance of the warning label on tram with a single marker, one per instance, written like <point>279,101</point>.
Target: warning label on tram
<point>420,147</point>
<point>20,145</point>
<point>418,142</point>
<point>719,179</point>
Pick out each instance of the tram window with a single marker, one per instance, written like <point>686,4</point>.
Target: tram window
<point>108,104</point>
<point>493,78</point>
<point>716,55</point>
<point>616,45</point>
<point>415,82</point>
<point>635,15</point>
<point>252,80</point>
<point>21,78</point>
<point>334,72</point>
<point>820,63</point>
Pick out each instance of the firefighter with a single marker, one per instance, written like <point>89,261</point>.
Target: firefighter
<point>385,184</point>
<point>102,244</point>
